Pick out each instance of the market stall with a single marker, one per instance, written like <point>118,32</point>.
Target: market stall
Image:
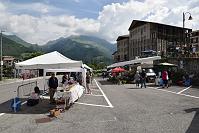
<point>52,60</point>
<point>69,93</point>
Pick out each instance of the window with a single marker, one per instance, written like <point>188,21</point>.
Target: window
<point>191,40</point>
<point>144,28</point>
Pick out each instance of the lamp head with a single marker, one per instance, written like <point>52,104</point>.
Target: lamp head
<point>190,17</point>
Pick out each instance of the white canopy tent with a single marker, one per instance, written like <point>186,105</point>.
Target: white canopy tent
<point>87,67</point>
<point>53,60</point>
<point>139,60</point>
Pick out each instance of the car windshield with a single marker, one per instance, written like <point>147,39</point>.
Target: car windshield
<point>149,71</point>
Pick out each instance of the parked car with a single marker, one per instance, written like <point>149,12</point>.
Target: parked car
<point>150,75</point>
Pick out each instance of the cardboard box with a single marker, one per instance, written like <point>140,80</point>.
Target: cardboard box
<point>54,112</point>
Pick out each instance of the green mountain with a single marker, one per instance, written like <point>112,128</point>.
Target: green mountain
<point>18,40</point>
<point>15,38</point>
<point>14,48</point>
<point>86,48</point>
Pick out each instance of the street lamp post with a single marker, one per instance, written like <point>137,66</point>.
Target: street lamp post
<point>1,55</point>
<point>183,20</point>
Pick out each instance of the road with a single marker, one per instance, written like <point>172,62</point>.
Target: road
<point>110,109</point>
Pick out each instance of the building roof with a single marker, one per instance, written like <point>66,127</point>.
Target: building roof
<point>53,60</point>
<point>114,53</point>
<point>8,58</point>
<point>195,31</point>
<point>136,23</point>
<point>122,37</point>
<point>135,61</point>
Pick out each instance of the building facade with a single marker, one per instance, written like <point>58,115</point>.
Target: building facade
<point>158,37</point>
<point>8,61</point>
<point>115,57</point>
<point>195,41</point>
<point>122,53</point>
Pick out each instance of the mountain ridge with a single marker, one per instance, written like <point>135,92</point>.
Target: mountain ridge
<point>86,48</point>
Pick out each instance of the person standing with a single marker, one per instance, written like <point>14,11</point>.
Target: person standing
<point>165,78</point>
<point>137,79</point>
<point>53,84</point>
<point>88,79</point>
<point>92,77</point>
<point>143,78</point>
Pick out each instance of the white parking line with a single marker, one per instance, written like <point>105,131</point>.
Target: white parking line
<point>107,100</point>
<point>97,105</point>
<point>184,90</point>
<point>94,95</point>
<point>157,88</point>
<point>2,114</point>
<point>24,103</point>
<point>95,90</point>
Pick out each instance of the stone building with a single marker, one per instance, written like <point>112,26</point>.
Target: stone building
<point>161,38</point>
<point>195,41</point>
<point>122,48</point>
<point>115,57</point>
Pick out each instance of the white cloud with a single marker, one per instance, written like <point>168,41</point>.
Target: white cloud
<point>113,20</point>
<point>2,7</point>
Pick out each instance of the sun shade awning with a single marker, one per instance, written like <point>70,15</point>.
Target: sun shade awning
<point>53,60</point>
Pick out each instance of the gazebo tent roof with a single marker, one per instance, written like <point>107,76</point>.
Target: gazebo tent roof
<point>87,67</point>
<point>53,60</point>
<point>139,60</point>
<point>167,64</point>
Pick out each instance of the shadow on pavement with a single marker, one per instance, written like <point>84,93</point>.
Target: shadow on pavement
<point>194,126</point>
<point>105,82</point>
<point>41,108</point>
<point>135,88</point>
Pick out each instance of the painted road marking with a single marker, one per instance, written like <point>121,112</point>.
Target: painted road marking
<point>95,90</point>
<point>157,88</point>
<point>2,114</point>
<point>88,104</point>
<point>107,100</point>
<point>94,95</point>
<point>97,105</point>
<point>184,90</point>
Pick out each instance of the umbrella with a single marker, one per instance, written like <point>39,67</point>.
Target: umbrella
<point>167,64</point>
<point>118,69</point>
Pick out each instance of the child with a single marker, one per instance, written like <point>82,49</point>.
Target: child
<point>34,97</point>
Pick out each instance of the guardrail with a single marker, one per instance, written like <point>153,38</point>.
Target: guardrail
<point>25,90</point>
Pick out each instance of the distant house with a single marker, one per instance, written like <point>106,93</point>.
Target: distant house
<point>8,61</point>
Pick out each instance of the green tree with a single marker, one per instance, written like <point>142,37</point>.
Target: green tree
<point>27,56</point>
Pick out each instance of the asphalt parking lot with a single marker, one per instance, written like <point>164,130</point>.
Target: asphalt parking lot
<point>112,108</point>
<point>190,91</point>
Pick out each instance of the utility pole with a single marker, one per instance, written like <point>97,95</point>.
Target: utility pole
<point>183,24</point>
<point>1,77</point>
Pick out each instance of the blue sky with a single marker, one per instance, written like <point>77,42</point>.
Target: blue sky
<point>78,8</point>
<point>39,21</point>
